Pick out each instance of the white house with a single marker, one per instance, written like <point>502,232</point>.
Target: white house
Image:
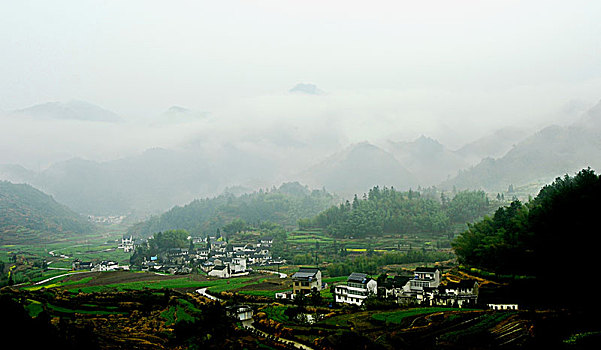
<point>358,287</point>
<point>503,306</point>
<point>305,280</point>
<point>127,244</point>
<point>221,271</point>
<point>424,277</point>
<point>240,312</point>
<point>106,266</point>
<point>238,265</point>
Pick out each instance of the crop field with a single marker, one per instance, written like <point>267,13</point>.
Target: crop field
<point>394,328</point>
<point>258,285</point>
<point>276,313</point>
<point>182,311</point>
<point>397,317</point>
<point>305,241</point>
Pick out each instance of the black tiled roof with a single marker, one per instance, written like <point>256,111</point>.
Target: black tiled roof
<point>357,277</point>
<point>426,269</point>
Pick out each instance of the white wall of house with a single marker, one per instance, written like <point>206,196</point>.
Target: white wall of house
<point>220,273</point>
<point>503,306</point>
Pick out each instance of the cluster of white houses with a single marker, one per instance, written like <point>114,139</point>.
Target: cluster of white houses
<point>216,257</point>
<point>424,288</point>
<point>104,265</point>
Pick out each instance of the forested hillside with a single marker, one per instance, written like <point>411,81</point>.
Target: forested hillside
<point>283,205</point>
<point>385,210</point>
<point>26,212</point>
<point>552,238</point>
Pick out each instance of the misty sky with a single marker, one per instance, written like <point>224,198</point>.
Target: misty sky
<point>390,70</point>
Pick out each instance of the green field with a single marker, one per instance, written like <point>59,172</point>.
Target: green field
<point>181,312</point>
<point>397,317</point>
<point>257,285</point>
<point>276,313</point>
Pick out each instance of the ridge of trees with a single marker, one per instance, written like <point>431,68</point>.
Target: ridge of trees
<point>552,237</point>
<point>283,206</point>
<point>386,210</point>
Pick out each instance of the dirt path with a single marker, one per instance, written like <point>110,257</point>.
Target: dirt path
<point>203,292</point>
<point>55,277</point>
<point>282,275</point>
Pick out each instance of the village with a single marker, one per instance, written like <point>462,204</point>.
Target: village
<point>212,255</point>
<point>423,289</point>
<point>218,258</point>
<point>258,290</point>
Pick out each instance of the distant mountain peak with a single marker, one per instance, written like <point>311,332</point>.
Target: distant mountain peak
<point>180,114</point>
<point>72,110</point>
<point>357,168</point>
<point>177,109</point>
<point>306,88</point>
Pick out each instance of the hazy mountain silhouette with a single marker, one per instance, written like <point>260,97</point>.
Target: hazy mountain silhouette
<point>358,168</point>
<point>427,159</point>
<point>177,114</point>
<point>304,88</point>
<point>494,145</point>
<point>74,110</point>
<point>553,151</point>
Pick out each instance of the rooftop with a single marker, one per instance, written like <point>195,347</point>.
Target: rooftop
<point>426,269</point>
<point>357,277</point>
<point>305,273</point>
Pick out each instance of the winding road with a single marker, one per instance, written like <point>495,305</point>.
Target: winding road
<point>248,325</point>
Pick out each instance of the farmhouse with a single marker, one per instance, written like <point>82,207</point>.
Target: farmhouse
<point>287,295</point>
<point>106,266</point>
<point>502,306</point>
<point>240,312</point>
<point>221,271</point>
<point>458,294</point>
<point>358,287</point>
<point>305,280</point>
<point>393,287</point>
<point>266,241</point>
<point>424,277</point>
<point>425,288</point>
<point>82,265</point>
<point>127,244</point>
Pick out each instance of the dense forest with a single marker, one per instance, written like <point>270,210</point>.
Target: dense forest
<point>25,210</point>
<point>283,205</point>
<point>385,210</point>
<point>552,238</point>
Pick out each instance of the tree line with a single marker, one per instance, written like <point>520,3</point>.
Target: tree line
<point>386,210</point>
<point>552,238</point>
<point>283,205</point>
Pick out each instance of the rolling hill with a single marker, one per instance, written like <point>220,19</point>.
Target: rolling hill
<point>29,214</point>
<point>358,168</point>
<point>283,205</point>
